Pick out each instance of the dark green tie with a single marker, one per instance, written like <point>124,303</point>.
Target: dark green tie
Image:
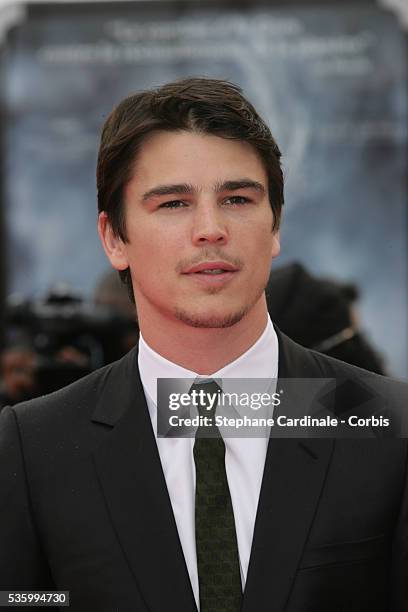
<point>217,550</point>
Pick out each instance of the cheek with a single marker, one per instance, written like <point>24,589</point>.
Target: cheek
<point>261,242</point>
<point>152,260</point>
<point>263,250</point>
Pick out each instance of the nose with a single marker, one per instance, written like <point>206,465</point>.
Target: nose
<point>209,225</point>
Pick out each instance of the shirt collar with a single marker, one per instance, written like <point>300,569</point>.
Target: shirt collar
<point>259,361</point>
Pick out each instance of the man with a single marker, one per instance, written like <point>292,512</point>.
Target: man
<point>190,192</point>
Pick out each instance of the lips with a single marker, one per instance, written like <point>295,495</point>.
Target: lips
<point>211,268</point>
<point>212,274</point>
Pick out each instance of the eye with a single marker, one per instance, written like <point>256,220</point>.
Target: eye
<point>237,200</point>
<point>173,204</point>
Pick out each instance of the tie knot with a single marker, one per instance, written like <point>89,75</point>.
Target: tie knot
<point>206,393</point>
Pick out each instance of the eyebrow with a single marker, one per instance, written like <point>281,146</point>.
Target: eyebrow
<point>187,189</point>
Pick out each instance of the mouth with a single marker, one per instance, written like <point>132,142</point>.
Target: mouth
<point>212,272</point>
<point>211,267</point>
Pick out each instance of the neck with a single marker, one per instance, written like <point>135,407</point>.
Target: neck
<point>202,350</point>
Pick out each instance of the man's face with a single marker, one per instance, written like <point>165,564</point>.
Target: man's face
<point>199,228</point>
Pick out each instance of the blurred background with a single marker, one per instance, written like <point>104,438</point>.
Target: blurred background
<point>331,79</point>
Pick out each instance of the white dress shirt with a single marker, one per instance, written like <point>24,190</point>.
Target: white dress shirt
<point>244,457</point>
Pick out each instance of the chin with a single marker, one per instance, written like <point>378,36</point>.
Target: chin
<point>211,321</point>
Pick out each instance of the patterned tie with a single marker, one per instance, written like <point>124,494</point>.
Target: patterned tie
<point>216,541</point>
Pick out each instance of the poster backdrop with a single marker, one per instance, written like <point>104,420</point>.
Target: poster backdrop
<point>331,82</point>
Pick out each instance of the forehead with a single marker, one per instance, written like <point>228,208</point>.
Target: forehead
<point>203,160</point>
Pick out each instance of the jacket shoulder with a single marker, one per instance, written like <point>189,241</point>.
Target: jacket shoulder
<point>75,402</point>
<point>352,383</point>
<point>335,368</point>
<point>321,365</point>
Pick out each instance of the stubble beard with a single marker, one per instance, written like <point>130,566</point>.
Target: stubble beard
<point>216,321</point>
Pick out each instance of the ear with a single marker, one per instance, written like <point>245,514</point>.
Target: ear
<point>275,247</point>
<point>113,245</point>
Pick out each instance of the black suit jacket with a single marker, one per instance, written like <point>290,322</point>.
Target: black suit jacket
<point>84,506</point>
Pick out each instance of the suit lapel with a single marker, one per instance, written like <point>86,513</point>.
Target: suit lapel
<point>131,476</point>
<point>293,479</point>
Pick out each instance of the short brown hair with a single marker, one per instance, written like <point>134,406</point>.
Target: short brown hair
<point>203,105</point>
